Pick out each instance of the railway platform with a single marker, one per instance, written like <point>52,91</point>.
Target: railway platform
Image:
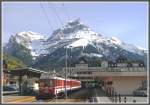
<point>101,96</point>
<point>18,99</point>
<point>98,96</point>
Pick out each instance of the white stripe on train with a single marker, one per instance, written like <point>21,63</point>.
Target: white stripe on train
<point>58,90</point>
<point>50,77</point>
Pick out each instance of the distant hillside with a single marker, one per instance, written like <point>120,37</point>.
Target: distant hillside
<point>12,62</point>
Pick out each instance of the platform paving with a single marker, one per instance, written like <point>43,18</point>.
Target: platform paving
<point>13,99</point>
<point>101,97</point>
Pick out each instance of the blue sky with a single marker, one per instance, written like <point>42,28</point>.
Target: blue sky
<point>127,21</point>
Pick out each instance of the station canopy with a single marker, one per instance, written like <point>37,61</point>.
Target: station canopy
<point>26,71</point>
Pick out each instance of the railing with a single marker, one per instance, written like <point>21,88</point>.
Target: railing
<point>113,70</point>
<point>104,69</point>
<point>82,71</point>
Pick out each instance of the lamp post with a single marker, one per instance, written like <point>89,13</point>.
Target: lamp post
<point>66,77</point>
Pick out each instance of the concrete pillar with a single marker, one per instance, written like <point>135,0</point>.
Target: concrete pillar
<point>20,82</point>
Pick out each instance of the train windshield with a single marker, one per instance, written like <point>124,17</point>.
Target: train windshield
<point>46,83</point>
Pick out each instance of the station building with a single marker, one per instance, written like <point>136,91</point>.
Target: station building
<point>121,76</point>
<point>5,74</point>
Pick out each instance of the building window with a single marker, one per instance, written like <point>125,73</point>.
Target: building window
<point>141,65</point>
<point>118,60</point>
<point>114,65</point>
<point>129,65</point>
<point>109,83</point>
<point>110,65</point>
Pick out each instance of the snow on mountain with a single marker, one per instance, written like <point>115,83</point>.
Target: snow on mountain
<point>32,41</point>
<point>141,48</point>
<point>78,38</point>
<point>115,40</point>
<point>85,36</point>
<point>31,36</point>
<point>80,42</point>
<point>133,48</point>
<point>73,34</point>
<point>92,55</point>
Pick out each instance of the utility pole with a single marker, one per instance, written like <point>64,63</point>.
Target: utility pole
<point>66,76</point>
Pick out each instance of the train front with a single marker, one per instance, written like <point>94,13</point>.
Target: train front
<point>46,87</point>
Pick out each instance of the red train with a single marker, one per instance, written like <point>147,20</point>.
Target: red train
<point>50,86</point>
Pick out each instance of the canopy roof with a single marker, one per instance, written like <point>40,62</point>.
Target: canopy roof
<point>26,71</point>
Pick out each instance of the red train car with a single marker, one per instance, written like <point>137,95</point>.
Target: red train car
<point>50,86</point>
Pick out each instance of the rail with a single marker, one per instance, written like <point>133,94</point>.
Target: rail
<point>10,92</point>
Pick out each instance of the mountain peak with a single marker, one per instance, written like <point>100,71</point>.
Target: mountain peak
<point>141,48</point>
<point>78,38</point>
<point>72,29</point>
<point>30,35</point>
<point>74,22</point>
<point>116,40</point>
<point>30,40</point>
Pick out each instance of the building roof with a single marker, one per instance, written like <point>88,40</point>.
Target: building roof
<point>121,59</point>
<point>26,71</point>
<point>82,60</point>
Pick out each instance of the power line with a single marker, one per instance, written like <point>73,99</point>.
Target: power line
<point>66,11</point>
<point>52,7</point>
<point>59,19</point>
<point>44,11</point>
<point>54,10</point>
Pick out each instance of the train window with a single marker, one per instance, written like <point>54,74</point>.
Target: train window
<point>51,83</point>
<point>46,83</point>
<point>41,84</point>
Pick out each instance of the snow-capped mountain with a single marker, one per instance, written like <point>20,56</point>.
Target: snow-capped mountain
<point>79,40</point>
<point>81,35</point>
<point>30,40</point>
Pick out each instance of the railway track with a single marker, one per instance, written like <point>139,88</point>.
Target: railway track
<point>81,95</point>
<point>51,99</point>
<point>55,98</point>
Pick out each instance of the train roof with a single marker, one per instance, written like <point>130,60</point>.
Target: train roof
<point>49,76</point>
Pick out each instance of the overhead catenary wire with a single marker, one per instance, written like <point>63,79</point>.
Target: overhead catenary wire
<point>66,64</point>
<point>56,13</point>
<point>58,17</point>
<point>47,18</point>
<point>66,11</point>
